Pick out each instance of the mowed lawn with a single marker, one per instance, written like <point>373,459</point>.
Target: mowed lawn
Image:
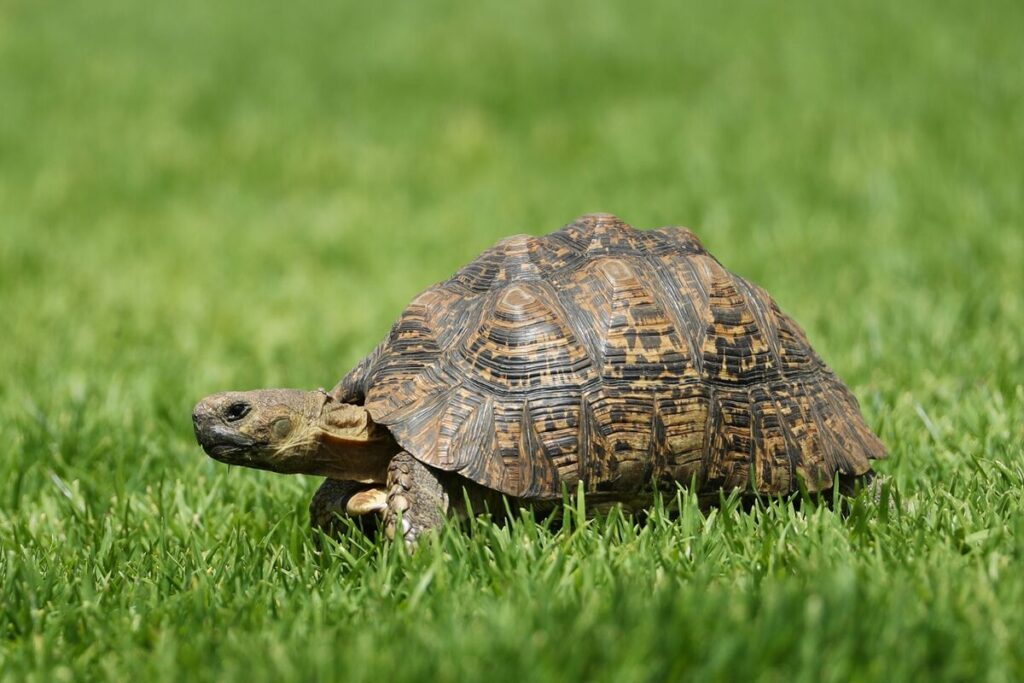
<point>201,196</point>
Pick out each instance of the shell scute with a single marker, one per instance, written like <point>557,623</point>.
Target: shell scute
<point>523,344</point>
<point>619,440</point>
<point>735,348</point>
<point>684,414</point>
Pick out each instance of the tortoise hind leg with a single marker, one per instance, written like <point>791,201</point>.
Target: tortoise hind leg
<point>335,497</point>
<point>416,501</point>
<point>851,484</point>
<point>871,483</point>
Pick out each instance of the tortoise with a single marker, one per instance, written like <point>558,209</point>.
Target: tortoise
<point>599,358</point>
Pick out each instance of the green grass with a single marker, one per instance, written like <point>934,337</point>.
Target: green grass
<point>200,196</point>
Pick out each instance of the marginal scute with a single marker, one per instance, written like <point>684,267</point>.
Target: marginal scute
<point>729,469</point>
<point>836,403</point>
<point>622,360</point>
<point>773,468</point>
<point>684,414</point>
<point>811,444</point>
<point>620,440</point>
<point>556,422</point>
<point>536,462</point>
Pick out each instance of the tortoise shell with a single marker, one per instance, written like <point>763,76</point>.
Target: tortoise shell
<point>627,360</point>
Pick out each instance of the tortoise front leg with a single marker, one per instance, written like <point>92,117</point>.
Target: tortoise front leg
<point>416,500</point>
<point>338,497</point>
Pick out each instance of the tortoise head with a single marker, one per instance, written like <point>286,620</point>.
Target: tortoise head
<point>293,431</point>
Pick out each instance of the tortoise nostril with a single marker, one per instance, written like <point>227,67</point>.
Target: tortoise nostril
<point>197,425</point>
<point>199,414</point>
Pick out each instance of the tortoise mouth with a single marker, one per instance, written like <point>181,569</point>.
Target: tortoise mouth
<point>229,453</point>
<point>227,445</point>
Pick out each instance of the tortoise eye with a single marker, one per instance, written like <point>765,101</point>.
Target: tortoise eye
<point>236,411</point>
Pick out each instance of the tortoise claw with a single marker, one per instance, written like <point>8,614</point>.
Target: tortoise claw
<point>367,502</point>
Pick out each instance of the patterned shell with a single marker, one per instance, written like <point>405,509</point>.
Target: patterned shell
<point>625,359</point>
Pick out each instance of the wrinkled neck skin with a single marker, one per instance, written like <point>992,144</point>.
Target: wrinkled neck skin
<point>294,432</point>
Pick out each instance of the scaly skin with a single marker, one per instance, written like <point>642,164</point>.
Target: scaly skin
<point>417,499</point>
<point>293,431</point>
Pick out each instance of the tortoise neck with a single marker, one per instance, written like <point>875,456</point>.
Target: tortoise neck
<point>351,445</point>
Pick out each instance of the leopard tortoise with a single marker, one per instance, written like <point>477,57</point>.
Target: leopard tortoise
<point>599,357</point>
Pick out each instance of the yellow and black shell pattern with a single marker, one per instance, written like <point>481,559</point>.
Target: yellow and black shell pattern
<point>624,359</point>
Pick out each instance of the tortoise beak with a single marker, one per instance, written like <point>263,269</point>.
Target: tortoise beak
<point>219,440</point>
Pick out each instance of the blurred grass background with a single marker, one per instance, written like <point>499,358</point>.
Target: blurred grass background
<point>197,196</point>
